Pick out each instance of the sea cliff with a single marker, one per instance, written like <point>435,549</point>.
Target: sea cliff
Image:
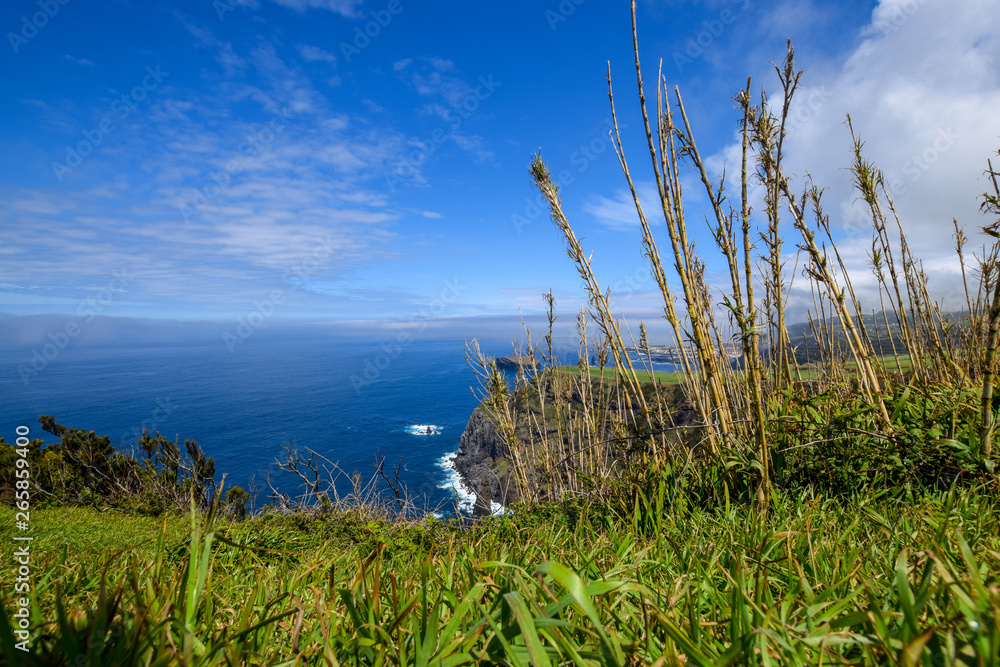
<point>483,462</point>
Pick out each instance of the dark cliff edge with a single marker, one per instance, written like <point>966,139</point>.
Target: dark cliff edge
<point>484,461</point>
<point>522,363</point>
<point>484,466</point>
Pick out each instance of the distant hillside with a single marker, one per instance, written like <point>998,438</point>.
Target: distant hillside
<point>807,348</point>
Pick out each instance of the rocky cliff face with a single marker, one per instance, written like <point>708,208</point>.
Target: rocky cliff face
<point>483,463</point>
<point>517,363</point>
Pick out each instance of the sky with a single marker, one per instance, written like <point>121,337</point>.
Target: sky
<point>366,161</point>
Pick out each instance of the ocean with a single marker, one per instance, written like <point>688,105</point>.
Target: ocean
<point>344,398</point>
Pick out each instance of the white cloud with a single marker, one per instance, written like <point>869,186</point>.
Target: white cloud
<point>344,7</point>
<point>620,213</point>
<point>306,184</point>
<point>316,54</point>
<point>232,64</point>
<point>78,61</point>
<point>473,144</point>
<point>922,87</point>
<point>454,101</point>
<point>431,81</point>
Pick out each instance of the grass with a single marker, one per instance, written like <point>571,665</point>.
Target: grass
<point>807,371</point>
<point>90,534</point>
<point>811,581</point>
<point>662,377</point>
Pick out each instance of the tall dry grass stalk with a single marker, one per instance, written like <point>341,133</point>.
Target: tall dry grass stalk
<point>741,406</point>
<point>991,204</point>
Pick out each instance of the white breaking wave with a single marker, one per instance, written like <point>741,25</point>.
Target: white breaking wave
<point>453,481</point>
<point>423,429</point>
<point>466,497</point>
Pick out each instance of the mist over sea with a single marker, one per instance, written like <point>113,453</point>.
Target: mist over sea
<point>345,398</point>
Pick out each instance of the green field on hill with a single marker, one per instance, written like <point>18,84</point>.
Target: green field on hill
<point>609,374</point>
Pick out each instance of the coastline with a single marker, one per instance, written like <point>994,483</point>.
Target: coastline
<point>458,484</point>
<point>482,465</point>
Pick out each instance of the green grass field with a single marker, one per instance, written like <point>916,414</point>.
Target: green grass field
<point>609,374</point>
<point>90,534</point>
<point>811,581</point>
<point>808,372</point>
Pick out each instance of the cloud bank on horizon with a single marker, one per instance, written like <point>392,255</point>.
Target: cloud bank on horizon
<point>358,158</point>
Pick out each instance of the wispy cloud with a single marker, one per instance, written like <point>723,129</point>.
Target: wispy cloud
<point>78,61</point>
<point>203,206</point>
<point>345,7</point>
<point>453,99</point>
<point>316,54</point>
<point>619,213</point>
<point>430,80</point>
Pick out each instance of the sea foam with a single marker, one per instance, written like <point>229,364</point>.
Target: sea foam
<point>466,497</point>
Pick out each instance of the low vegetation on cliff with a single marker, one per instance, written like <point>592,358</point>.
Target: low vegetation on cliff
<point>808,581</point>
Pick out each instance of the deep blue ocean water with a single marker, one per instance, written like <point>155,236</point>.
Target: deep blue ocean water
<point>242,405</point>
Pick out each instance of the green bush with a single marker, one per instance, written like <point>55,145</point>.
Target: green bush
<point>835,446</point>
<point>83,468</point>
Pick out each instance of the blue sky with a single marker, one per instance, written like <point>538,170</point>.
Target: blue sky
<point>205,160</point>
